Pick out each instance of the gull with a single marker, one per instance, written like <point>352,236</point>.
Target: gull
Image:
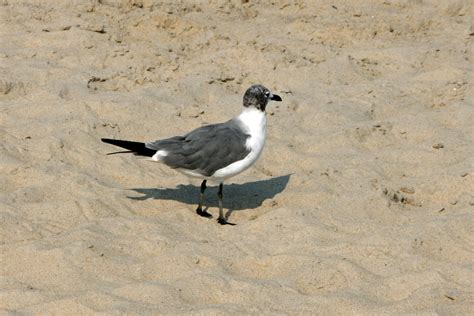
<point>213,152</point>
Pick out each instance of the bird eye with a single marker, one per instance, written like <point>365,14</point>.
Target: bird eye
<point>267,93</point>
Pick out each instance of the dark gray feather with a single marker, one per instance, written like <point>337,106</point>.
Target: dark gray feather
<point>205,149</point>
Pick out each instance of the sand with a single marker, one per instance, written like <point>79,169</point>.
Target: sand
<point>361,203</point>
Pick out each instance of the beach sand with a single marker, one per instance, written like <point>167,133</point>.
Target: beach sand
<point>362,202</point>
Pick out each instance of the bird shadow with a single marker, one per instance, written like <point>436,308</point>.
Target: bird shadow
<point>236,196</point>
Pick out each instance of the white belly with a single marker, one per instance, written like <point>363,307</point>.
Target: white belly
<point>237,167</point>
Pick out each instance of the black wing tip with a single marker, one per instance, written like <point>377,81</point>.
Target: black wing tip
<point>121,152</point>
<point>107,140</point>
<point>136,148</point>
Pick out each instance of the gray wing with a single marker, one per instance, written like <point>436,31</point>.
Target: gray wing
<point>206,149</point>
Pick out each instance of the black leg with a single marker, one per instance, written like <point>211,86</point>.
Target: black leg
<point>221,220</point>
<point>201,201</point>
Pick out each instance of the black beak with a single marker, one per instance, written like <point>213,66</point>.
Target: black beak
<point>275,98</point>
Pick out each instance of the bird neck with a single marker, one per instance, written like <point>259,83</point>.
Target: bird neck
<point>254,120</point>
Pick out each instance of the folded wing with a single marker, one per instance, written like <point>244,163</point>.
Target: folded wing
<point>205,149</point>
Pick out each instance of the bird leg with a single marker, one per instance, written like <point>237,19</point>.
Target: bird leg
<point>221,220</point>
<point>201,201</point>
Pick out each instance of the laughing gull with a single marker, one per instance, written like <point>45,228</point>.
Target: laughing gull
<point>213,152</point>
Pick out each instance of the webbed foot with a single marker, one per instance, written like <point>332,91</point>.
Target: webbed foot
<point>202,213</point>
<point>223,221</point>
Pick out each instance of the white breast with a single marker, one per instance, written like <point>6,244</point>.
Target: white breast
<point>255,123</point>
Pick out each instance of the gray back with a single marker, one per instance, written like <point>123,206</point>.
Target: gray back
<point>205,149</point>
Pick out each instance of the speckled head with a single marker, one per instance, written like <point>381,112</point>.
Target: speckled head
<point>258,96</point>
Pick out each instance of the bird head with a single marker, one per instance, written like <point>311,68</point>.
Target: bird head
<point>258,96</point>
